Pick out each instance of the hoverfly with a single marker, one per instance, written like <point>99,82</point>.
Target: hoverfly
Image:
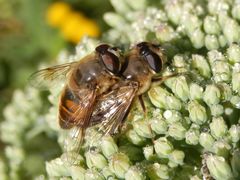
<point>85,81</point>
<point>101,87</point>
<point>143,65</point>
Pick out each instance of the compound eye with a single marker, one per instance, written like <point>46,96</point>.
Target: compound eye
<point>154,62</point>
<point>111,62</point>
<point>109,57</point>
<point>102,48</point>
<point>143,48</point>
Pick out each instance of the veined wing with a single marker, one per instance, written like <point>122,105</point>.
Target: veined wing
<point>50,77</point>
<point>76,107</point>
<point>112,108</point>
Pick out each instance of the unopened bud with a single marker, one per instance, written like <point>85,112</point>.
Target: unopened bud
<point>163,147</point>
<point>158,171</point>
<point>119,164</point>
<point>95,159</point>
<point>218,167</point>
<point>218,127</point>
<point>93,174</point>
<point>108,146</point>
<point>177,131</point>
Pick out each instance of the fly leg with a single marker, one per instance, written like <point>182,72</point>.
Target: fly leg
<point>160,80</point>
<point>140,98</point>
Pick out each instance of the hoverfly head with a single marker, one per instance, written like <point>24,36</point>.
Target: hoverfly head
<point>111,57</point>
<point>153,55</point>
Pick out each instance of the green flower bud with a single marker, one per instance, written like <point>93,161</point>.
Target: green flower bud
<point>107,173</point>
<point>163,147</point>
<point>215,6</point>
<point>56,168</point>
<point>134,138</point>
<point>215,55</point>
<point>211,42</point>
<point>175,7</point>
<point>95,159</point>
<point>206,141</point>
<point>233,53</point>
<point>108,146</point>
<point>72,158</point>
<point>180,63</point>
<point>196,91</point>
<point>135,173</point>
<point>159,126</point>
<point>114,20</point>
<point>216,110</point>
<point>148,152</point>
<point>221,71</point>
<point>222,40</point>
<point>197,112</point>
<point>163,99</point>
<point>211,25</point>
<point>157,96</point>
<point>236,82</point>
<point>169,82</point>
<point>235,163</point>
<point>172,116</point>
<point>177,131</point>
<point>180,88</point>
<point>157,113</point>
<point>221,148</point>
<point>192,136</point>
<point>226,91</point>
<point>231,31</point>
<point>165,33</point>
<point>77,172</point>
<point>119,164</point>
<point>191,23</point>
<point>201,64</point>
<point>197,38</point>
<point>211,95</point>
<point>218,127</point>
<point>176,158</point>
<point>143,128</point>
<point>158,171</point>
<point>236,11</point>
<point>218,167</point>
<point>235,100</point>
<point>173,103</point>
<point>223,18</point>
<point>93,174</point>
<point>234,133</point>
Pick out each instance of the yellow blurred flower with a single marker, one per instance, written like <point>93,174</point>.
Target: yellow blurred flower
<point>57,13</point>
<point>73,25</point>
<point>77,26</point>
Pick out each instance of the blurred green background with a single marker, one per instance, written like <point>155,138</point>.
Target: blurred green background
<point>28,36</point>
<point>34,32</point>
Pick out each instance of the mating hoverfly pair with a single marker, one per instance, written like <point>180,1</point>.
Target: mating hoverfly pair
<point>100,88</point>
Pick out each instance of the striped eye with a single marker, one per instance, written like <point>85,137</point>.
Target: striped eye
<point>109,57</point>
<point>150,56</point>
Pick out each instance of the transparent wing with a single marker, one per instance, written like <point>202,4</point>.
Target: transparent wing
<point>76,107</point>
<point>72,145</point>
<point>75,110</point>
<point>50,77</point>
<point>112,108</point>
